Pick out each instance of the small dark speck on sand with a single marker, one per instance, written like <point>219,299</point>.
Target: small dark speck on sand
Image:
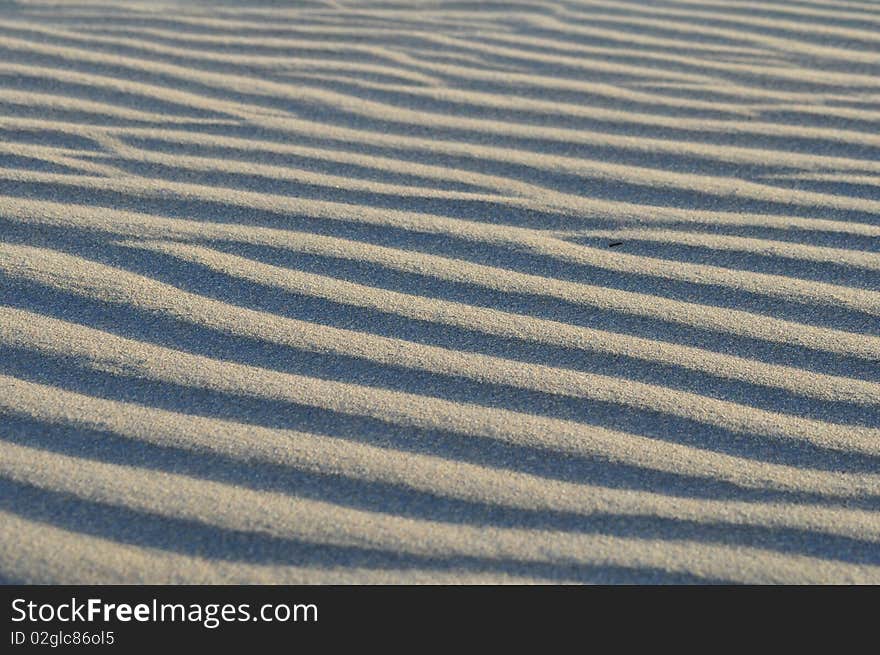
<point>615,244</point>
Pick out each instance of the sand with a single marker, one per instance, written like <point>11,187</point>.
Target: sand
<point>440,292</point>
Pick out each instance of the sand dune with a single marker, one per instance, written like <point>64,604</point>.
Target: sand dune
<point>362,292</point>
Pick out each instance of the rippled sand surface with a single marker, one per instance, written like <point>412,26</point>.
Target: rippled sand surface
<point>440,292</point>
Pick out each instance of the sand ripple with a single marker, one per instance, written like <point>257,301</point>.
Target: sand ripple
<point>463,292</point>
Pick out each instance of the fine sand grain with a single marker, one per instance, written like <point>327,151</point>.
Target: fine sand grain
<point>432,292</point>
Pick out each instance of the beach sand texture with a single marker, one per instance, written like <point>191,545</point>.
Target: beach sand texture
<point>440,292</point>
